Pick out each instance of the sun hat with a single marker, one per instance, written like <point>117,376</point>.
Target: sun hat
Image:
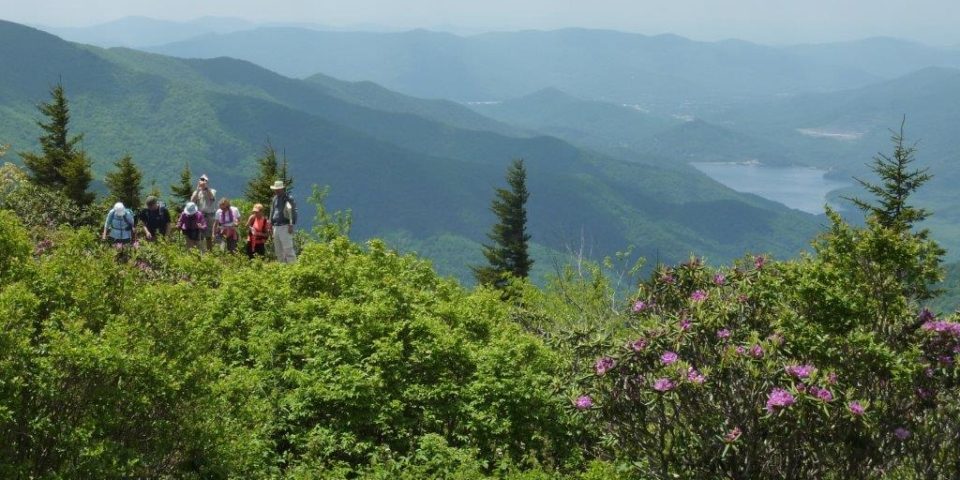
<point>278,185</point>
<point>190,208</point>
<point>204,177</point>
<point>119,209</point>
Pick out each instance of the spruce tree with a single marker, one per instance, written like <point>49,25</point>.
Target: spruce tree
<point>61,166</point>
<point>47,169</point>
<point>154,189</point>
<point>508,255</point>
<point>269,170</point>
<point>181,191</point>
<point>898,182</point>
<point>77,175</point>
<point>124,183</point>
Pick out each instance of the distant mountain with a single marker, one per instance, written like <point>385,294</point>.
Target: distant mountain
<point>422,183</point>
<point>699,141</point>
<point>881,56</point>
<point>599,125</point>
<point>144,32</point>
<point>591,64</point>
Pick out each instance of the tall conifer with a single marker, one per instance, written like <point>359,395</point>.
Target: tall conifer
<point>61,166</point>
<point>269,170</point>
<point>508,255</point>
<point>181,191</point>
<point>124,183</point>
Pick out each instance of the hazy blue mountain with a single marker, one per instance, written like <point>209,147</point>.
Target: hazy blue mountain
<point>143,31</point>
<point>881,56</point>
<point>599,125</point>
<point>424,184</point>
<point>700,141</point>
<point>591,64</point>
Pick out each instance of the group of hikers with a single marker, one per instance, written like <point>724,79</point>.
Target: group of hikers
<point>205,219</point>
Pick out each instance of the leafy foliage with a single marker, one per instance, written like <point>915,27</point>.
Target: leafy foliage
<point>181,191</point>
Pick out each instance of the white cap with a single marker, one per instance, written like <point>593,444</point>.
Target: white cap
<point>118,208</point>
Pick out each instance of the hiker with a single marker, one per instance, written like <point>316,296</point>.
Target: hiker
<point>225,224</point>
<point>283,218</point>
<point>259,231</point>
<point>155,219</point>
<point>206,200</point>
<point>119,225</point>
<point>192,223</point>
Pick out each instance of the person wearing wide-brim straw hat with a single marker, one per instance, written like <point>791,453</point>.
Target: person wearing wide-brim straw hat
<point>283,218</point>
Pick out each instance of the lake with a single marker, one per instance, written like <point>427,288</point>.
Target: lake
<point>802,188</point>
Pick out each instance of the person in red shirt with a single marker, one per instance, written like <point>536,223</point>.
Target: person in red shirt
<point>259,228</point>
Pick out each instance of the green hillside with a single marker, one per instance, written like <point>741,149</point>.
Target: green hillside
<point>405,176</point>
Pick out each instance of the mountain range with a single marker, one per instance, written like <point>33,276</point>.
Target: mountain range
<point>420,173</point>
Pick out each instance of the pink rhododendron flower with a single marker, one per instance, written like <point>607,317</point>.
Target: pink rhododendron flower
<point>693,376</point>
<point>719,279</point>
<point>723,334</point>
<point>824,395</point>
<point>756,351</point>
<point>668,358</point>
<point>663,385</point>
<point>779,399</point>
<point>603,365</point>
<point>639,306</point>
<point>758,262</point>
<point>638,344</point>
<point>801,371</point>
<point>733,435</point>
<point>698,296</point>
<point>902,433</point>
<point>583,402</point>
<point>685,324</point>
<point>856,408</point>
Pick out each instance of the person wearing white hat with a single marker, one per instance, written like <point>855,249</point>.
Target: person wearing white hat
<point>206,200</point>
<point>118,226</point>
<point>283,219</point>
<point>192,223</point>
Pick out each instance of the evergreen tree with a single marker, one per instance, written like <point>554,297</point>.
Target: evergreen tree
<point>508,255</point>
<point>61,167</point>
<point>49,168</point>
<point>181,191</point>
<point>154,189</point>
<point>269,171</point>
<point>898,182</point>
<point>78,175</point>
<point>124,183</point>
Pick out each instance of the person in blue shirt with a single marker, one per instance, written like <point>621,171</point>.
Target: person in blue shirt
<point>118,226</point>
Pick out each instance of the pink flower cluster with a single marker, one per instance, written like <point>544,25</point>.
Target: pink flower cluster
<point>663,385</point>
<point>779,399</point>
<point>638,344</point>
<point>940,326</point>
<point>693,376</point>
<point>856,408</point>
<point>698,296</point>
<point>668,358</point>
<point>801,371</point>
<point>639,306</point>
<point>583,402</point>
<point>603,365</point>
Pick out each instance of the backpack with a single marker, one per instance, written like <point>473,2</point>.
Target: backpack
<point>190,228</point>
<point>112,221</point>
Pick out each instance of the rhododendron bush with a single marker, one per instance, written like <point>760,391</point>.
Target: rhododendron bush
<point>823,367</point>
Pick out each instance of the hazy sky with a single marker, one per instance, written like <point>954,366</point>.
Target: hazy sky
<point>766,21</point>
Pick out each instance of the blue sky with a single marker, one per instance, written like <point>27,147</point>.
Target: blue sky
<point>765,21</point>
